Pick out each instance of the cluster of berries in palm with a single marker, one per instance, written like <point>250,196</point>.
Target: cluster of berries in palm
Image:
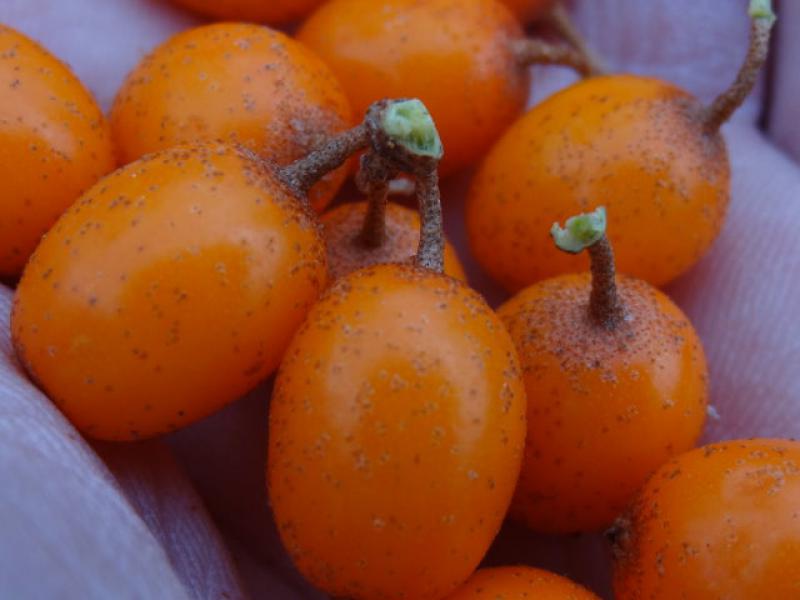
<point>408,419</point>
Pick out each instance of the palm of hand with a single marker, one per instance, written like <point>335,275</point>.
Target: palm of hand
<point>69,525</point>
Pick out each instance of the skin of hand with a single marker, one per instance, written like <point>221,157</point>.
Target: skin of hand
<point>187,517</point>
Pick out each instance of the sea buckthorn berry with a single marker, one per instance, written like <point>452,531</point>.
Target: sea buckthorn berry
<point>721,521</point>
<point>238,83</point>
<point>520,583</point>
<point>651,149</point>
<point>466,59</point>
<point>262,11</point>
<point>455,55</point>
<point>616,383</point>
<point>174,284</point>
<point>54,144</point>
<point>401,389</point>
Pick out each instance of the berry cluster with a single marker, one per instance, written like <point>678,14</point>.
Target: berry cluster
<point>176,254</point>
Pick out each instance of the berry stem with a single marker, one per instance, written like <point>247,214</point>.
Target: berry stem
<point>373,180</point>
<point>605,307</point>
<point>762,19</point>
<point>430,254</point>
<point>563,24</point>
<point>530,51</point>
<point>301,175</point>
<point>588,231</point>
<point>408,141</point>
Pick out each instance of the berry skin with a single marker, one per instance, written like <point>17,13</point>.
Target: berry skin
<point>721,521</point>
<point>168,290</point>
<point>54,144</point>
<point>346,253</point>
<point>455,55</point>
<point>261,11</point>
<point>613,392</point>
<point>235,82</point>
<point>648,149</point>
<point>520,583</point>
<point>629,141</point>
<point>605,409</point>
<point>402,390</point>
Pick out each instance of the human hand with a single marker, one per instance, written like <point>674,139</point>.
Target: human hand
<point>68,525</point>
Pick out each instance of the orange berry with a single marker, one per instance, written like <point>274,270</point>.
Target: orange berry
<point>262,11</point>
<point>612,392</point>
<point>168,290</point>
<point>174,284</point>
<point>238,83</point>
<point>649,150</point>
<point>401,389</point>
<point>520,583</point>
<point>455,55</point>
<point>54,144</point>
<point>717,522</point>
<point>347,252</point>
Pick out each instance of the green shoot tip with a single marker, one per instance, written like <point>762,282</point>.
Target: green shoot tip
<point>762,9</point>
<point>409,123</point>
<point>580,231</point>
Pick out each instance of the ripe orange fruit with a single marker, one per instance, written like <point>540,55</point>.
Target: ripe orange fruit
<point>174,285</point>
<point>54,143</point>
<point>263,11</point>
<point>457,56</point>
<point>648,149</point>
<point>168,290</point>
<point>234,82</point>
<point>717,522</point>
<point>616,382</point>
<point>401,389</point>
<point>520,583</point>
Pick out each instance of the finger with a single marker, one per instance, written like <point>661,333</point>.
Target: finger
<point>743,296</point>
<point>158,489</point>
<point>783,123</point>
<point>66,529</point>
